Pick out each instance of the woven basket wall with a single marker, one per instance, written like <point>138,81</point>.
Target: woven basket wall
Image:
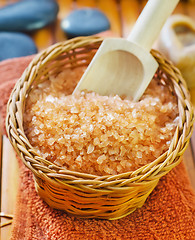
<point>85,195</point>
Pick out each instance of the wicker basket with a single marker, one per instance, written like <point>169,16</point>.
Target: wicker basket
<point>86,195</point>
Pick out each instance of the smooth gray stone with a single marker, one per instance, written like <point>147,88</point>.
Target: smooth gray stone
<point>14,44</point>
<point>85,22</point>
<point>28,15</point>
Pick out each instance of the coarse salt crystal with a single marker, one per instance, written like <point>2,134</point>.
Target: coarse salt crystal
<point>101,159</point>
<point>97,134</point>
<point>36,131</point>
<point>90,148</point>
<point>96,141</point>
<point>123,163</point>
<point>139,154</point>
<point>51,141</point>
<point>49,99</point>
<point>119,168</point>
<point>91,127</point>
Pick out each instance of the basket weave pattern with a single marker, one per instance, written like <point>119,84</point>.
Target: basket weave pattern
<point>86,195</point>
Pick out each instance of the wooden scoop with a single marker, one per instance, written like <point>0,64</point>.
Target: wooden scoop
<point>125,66</point>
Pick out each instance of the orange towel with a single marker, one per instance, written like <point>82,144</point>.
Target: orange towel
<point>169,212</point>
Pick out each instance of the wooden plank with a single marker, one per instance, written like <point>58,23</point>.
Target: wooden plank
<point>9,188</point>
<point>59,35</point>
<point>129,15</point>
<point>65,7</point>
<point>7,2</point>
<point>85,3</point>
<point>43,38</point>
<point>3,3</point>
<point>190,10</point>
<point>180,8</point>
<point>142,4</point>
<point>111,9</point>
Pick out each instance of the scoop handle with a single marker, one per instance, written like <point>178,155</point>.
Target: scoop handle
<point>150,22</point>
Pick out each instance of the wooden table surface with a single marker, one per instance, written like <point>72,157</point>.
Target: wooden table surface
<point>122,15</point>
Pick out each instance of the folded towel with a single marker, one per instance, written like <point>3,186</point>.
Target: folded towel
<point>169,212</point>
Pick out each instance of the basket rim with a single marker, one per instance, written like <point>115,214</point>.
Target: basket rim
<point>31,158</point>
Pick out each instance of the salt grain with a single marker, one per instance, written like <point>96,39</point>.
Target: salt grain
<point>96,134</point>
<point>139,154</point>
<point>101,159</point>
<point>90,148</point>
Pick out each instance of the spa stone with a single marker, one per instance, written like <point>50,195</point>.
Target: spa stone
<point>85,22</point>
<point>14,44</point>
<point>28,15</point>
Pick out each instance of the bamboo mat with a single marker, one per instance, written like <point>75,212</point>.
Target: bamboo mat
<point>122,15</point>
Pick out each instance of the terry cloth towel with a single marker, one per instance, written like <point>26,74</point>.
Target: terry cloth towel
<point>168,213</point>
